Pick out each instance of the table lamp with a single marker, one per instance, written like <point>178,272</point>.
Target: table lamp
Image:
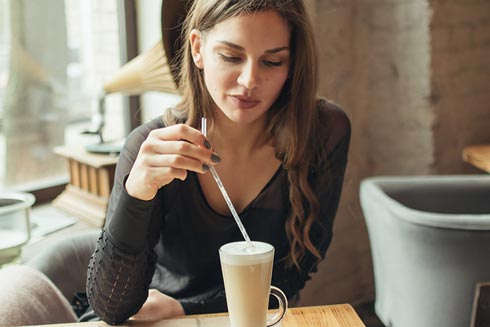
<point>148,71</point>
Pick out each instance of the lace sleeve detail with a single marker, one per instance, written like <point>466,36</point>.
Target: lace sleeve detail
<point>117,281</point>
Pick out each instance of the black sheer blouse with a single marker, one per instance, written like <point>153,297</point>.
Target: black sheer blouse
<point>171,242</point>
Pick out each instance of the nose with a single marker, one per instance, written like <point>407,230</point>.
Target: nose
<point>249,76</point>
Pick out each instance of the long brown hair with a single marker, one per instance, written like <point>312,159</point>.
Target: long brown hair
<point>293,120</point>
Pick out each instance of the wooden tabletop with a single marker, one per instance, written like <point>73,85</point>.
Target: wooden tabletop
<point>478,156</point>
<point>339,315</point>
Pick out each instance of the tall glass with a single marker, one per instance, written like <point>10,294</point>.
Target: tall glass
<point>247,273</point>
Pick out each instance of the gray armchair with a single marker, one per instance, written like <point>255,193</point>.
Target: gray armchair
<point>430,243</point>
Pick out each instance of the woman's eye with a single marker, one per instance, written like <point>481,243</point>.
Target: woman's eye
<point>229,58</point>
<point>273,63</point>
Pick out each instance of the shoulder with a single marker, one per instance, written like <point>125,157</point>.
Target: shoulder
<point>332,116</point>
<point>331,139</point>
<point>140,133</point>
<point>334,123</point>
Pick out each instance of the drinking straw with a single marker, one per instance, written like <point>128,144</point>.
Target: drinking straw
<point>224,193</point>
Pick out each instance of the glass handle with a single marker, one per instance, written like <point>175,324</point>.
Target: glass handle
<point>283,305</point>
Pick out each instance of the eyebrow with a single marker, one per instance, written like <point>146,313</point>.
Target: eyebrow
<point>239,48</point>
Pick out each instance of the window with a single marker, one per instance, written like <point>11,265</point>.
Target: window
<point>54,57</point>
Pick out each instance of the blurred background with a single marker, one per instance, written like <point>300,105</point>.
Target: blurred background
<point>413,76</point>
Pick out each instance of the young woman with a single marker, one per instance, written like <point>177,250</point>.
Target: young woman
<point>250,68</point>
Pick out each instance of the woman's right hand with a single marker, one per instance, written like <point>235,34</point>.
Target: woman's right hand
<point>166,154</point>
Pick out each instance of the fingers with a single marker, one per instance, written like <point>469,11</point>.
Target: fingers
<point>162,168</point>
<point>167,154</point>
<point>177,151</point>
<point>181,132</point>
<point>183,140</point>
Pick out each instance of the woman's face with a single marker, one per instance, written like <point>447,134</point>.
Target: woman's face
<point>245,61</point>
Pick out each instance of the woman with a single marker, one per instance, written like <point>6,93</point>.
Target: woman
<point>250,68</point>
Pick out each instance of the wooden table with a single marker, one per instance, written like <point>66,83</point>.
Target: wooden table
<point>339,315</point>
<point>478,156</point>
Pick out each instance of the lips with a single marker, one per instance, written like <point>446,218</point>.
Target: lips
<point>244,102</point>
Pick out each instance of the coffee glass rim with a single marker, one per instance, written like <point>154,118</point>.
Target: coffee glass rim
<point>244,258</point>
<point>270,248</point>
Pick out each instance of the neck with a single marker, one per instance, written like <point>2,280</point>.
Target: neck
<point>237,139</point>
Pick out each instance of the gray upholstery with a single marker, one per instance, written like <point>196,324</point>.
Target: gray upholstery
<point>65,261</point>
<point>430,243</point>
<point>27,297</point>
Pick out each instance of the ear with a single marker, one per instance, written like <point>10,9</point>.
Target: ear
<point>196,42</point>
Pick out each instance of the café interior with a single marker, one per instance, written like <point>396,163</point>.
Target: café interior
<point>411,239</point>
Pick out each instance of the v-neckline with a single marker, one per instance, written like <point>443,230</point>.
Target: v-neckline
<point>246,208</point>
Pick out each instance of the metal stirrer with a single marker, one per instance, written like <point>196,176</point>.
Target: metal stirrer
<point>225,195</point>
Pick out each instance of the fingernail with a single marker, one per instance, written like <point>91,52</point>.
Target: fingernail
<point>207,144</point>
<point>215,158</point>
<point>205,167</point>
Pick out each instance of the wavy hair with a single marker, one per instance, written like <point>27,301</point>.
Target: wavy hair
<point>293,120</point>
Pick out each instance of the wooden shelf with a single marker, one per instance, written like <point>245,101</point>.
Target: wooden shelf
<point>91,178</point>
<point>478,156</point>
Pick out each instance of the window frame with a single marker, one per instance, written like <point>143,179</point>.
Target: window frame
<point>128,42</point>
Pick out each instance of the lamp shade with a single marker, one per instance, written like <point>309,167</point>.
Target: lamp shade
<point>148,71</point>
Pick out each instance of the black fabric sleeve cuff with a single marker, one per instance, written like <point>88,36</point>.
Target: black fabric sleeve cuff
<point>216,305</point>
<point>128,227</point>
<point>191,308</point>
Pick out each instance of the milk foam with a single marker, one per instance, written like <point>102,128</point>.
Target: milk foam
<point>241,253</point>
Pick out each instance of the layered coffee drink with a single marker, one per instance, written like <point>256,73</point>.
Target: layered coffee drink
<point>247,272</point>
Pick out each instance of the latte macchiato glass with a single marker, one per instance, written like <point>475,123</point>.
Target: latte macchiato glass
<point>247,273</point>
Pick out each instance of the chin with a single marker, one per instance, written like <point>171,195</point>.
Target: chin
<point>243,116</point>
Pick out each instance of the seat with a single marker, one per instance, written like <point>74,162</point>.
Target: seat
<point>28,297</point>
<point>65,261</point>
